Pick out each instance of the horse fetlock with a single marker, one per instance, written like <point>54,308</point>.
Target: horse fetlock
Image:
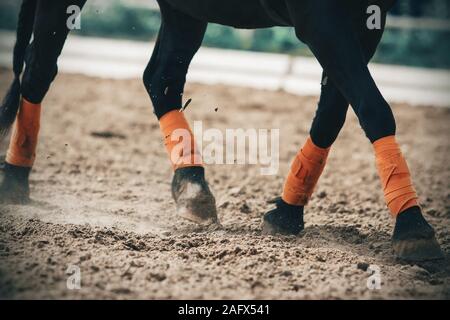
<point>414,238</point>
<point>285,219</point>
<point>193,197</point>
<point>14,184</point>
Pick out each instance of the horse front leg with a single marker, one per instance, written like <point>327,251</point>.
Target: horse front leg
<point>179,39</point>
<point>47,21</point>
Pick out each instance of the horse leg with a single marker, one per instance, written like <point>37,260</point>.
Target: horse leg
<point>179,38</point>
<point>50,32</point>
<point>328,121</point>
<point>325,25</point>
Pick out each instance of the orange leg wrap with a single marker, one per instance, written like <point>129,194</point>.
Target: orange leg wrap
<point>305,171</point>
<point>179,141</point>
<point>24,138</point>
<point>394,174</point>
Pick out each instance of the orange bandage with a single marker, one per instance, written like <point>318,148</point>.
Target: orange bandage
<point>179,141</point>
<point>394,174</point>
<point>24,138</point>
<point>305,171</point>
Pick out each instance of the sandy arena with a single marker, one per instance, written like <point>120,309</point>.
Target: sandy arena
<point>101,186</point>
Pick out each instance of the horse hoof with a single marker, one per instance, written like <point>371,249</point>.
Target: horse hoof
<point>414,239</point>
<point>14,185</point>
<point>270,229</point>
<point>195,201</point>
<point>417,250</point>
<point>285,219</point>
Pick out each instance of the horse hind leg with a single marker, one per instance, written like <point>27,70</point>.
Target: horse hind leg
<point>179,38</point>
<point>328,31</point>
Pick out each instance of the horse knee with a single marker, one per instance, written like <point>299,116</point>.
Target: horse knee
<point>376,119</point>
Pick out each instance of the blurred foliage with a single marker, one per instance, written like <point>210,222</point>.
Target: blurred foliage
<point>439,9</point>
<point>119,19</point>
<point>415,47</point>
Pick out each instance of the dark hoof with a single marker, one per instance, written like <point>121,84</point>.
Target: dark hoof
<point>418,250</point>
<point>14,185</point>
<point>285,219</point>
<point>414,239</point>
<point>194,199</point>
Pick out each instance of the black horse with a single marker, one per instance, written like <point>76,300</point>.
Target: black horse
<point>336,32</point>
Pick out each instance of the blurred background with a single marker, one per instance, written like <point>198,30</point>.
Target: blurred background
<point>116,39</point>
<point>417,34</point>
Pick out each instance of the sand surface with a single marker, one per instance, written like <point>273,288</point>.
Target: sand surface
<point>103,204</point>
